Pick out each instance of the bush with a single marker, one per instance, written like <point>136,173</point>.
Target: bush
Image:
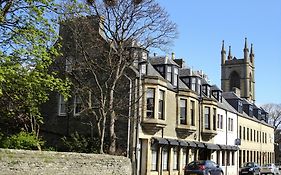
<point>80,143</point>
<point>22,140</point>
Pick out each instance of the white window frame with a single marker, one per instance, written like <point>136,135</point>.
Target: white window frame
<point>76,101</point>
<point>183,104</point>
<point>176,75</point>
<point>62,102</point>
<point>161,114</point>
<point>165,158</point>
<point>154,158</point>
<point>175,158</point>
<point>169,73</point>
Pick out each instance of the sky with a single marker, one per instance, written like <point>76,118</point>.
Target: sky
<point>203,24</point>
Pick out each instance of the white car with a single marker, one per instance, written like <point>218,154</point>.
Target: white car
<point>269,169</point>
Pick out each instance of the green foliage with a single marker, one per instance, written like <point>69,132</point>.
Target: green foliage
<point>80,143</point>
<point>22,140</point>
<point>28,34</point>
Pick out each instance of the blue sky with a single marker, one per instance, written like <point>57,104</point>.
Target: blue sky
<point>203,24</point>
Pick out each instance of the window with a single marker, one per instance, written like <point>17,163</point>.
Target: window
<point>183,111</point>
<point>193,83</point>
<point>218,157</point>
<point>254,135</point>
<point>154,154</point>
<point>257,136</point>
<point>248,133</point>
<point>184,157</point>
<point>223,158</point>
<point>244,133</point>
<point>228,158</point>
<point>251,135</point>
<point>161,70</point>
<point>169,73</point>
<point>175,159</point>
<point>165,159</point>
<point>161,105</point>
<point>62,109</point>
<point>232,158</point>
<point>207,117</point>
<point>265,139</point>
<point>77,105</point>
<point>240,132</point>
<point>150,103</point>
<point>198,86</point>
<point>214,118</point>
<point>220,121</point>
<point>143,69</point>
<point>192,115</point>
<point>230,124</point>
<point>176,75</point>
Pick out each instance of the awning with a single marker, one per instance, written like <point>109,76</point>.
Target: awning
<point>200,144</point>
<point>224,147</point>
<point>160,141</point>
<point>191,144</point>
<point>173,142</point>
<point>229,147</point>
<point>212,146</point>
<point>183,143</point>
<point>234,148</point>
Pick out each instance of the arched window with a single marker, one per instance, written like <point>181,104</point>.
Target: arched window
<point>234,80</point>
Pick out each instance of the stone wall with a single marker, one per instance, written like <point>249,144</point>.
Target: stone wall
<point>48,162</point>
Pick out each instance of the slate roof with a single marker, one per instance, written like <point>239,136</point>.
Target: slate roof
<point>160,60</point>
<point>230,95</point>
<point>215,88</point>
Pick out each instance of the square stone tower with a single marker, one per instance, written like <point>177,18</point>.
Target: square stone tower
<point>239,73</point>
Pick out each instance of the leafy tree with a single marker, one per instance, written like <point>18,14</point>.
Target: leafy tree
<point>98,39</point>
<point>27,36</point>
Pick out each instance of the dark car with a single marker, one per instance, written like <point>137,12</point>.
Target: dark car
<point>249,168</point>
<point>202,167</point>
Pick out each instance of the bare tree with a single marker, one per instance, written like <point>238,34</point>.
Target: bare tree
<point>274,113</point>
<point>103,42</point>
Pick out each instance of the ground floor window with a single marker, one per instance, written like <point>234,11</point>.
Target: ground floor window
<point>218,157</point>
<point>154,157</point>
<point>184,157</point>
<point>223,158</point>
<point>233,158</point>
<point>175,159</point>
<point>165,158</point>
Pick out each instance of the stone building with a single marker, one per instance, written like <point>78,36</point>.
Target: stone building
<point>176,116</point>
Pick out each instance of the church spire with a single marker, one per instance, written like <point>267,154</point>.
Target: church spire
<point>229,54</point>
<point>252,55</point>
<point>223,53</point>
<point>246,50</point>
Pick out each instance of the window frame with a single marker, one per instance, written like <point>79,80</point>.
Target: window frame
<point>207,117</point>
<point>161,105</point>
<point>148,100</point>
<point>183,116</point>
<point>62,102</point>
<point>75,102</point>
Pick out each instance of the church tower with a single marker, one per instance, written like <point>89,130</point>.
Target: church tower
<point>239,73</point>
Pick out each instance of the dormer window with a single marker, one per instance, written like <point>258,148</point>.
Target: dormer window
<point>144,55</point>
<point>169,73</point>
<point>161,70</point>
<point>198,86</point>
<point>250,110</point>
<point>240,106</point>
<point>143,68</point>
<point>176,75</point>
<point>193,83</point>
<point>217,95</point>
<point>206,90</point>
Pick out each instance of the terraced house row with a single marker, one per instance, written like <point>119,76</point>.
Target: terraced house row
<point>176,115</point>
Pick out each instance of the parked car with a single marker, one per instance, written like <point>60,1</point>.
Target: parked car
<point>249,168</point>
<point>269,169</point>
<point>203,167</point>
